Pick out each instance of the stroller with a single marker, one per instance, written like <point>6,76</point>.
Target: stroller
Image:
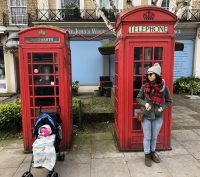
<point>54,121</point>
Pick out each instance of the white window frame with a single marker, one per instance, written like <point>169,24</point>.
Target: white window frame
<point>120,5</point>
<point>21,17</point>
<point>137,2</point>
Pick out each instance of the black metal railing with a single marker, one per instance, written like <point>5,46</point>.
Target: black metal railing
<point>192,15</point>
<point>76,15</point>
<point>72,14</point>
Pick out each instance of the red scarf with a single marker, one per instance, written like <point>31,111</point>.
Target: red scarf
<point>153,92</point>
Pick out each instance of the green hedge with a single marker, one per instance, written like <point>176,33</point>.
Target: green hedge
<point>187,85</point>
<point>10,116</point>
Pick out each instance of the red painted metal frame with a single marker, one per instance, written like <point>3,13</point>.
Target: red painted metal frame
<point>61,95</point>
<point>128,132</point>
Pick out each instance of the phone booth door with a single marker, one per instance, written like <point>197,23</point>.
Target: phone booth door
<point>143,55</point>
<point>43,69</point>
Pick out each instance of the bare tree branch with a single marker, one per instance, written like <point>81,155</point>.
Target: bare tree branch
<point>130,3</point>
<point>159,3</point>
<point>172,6</point>
<point>113,7</point>
<point>105,19</point>
<point>183,6</point>
<point>154,2</point>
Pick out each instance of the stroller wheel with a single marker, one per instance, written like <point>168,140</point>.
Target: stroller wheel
<point>27,174</point>
<point>54,174</point>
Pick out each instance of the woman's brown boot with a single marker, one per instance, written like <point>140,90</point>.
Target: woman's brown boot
<point>155,157</point>
<point>147,160</point>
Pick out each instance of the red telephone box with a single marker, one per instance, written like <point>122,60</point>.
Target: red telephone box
<point>45,79</point>
<point>145,35</point>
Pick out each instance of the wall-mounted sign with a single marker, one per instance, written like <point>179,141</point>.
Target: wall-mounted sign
<point>183,60</point>
<point>42,39</point>
<point>88,31</point>
<point>148,29</point>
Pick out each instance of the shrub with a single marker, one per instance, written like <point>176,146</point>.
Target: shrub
<point>75,86</point>
<point>75,107</point>
<point>10,116</point>
<point>187,85</point>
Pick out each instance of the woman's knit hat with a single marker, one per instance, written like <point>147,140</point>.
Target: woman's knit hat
<point>155,69</point>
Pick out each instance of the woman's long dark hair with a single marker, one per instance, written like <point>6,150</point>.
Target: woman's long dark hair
<point>158,79</point>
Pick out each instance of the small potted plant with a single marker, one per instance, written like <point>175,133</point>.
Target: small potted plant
<point>75,86</point>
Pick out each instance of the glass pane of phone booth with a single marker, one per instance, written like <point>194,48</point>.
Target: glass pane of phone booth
<point>43,71</point>
<point>143,58</point>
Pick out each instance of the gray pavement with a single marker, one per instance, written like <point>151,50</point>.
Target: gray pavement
<point>95,155</point>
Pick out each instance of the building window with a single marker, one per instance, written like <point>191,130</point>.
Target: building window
<point>165,4</point>
<point>18,12</point>
<point>2,71</point>
<point>70,3</point>
<point>106,4</point>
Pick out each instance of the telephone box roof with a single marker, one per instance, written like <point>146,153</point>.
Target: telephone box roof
<point>133,14</point>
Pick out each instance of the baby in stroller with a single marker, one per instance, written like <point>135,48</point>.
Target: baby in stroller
<point>48,135</point>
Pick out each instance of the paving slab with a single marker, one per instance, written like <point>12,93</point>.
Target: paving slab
<point>78,157</point>
<point>7,172</point>
<point>105,149</point>
<point>73,169</point>
<point>197,131</point>
<point>133,155</point>
<point>191,146</point>
<point>182,110</point>
<point>187,122</point>
<point>103,146</point>
<point>182,166</point>
<point>11,158</point>
<point>196,155</point>
<point>138,169</point>
<point>185,135</point>
<point>109,167</point>
<point>177,149</point>
<point>36,172</point>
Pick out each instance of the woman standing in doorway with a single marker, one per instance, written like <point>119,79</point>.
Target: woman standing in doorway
<point>154,97</point>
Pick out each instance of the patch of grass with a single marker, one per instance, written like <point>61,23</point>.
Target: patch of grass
<point>97,105</point>
<point>95,127</point>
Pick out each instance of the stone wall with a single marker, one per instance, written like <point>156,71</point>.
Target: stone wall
<point>89,4</point>
<point>31,7</point>
<point>196,4</point>
<point>3,9</point>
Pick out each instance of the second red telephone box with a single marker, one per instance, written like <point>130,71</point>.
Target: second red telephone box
<point>145,35</point>
<point>45,79</point>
